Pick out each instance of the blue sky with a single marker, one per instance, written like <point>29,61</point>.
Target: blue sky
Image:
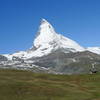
<point>76,19</point>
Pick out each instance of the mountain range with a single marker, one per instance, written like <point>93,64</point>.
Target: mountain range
<point>54,53</point>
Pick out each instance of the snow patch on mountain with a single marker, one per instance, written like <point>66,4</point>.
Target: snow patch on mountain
<point>19,54</point>
<point>94,49</point>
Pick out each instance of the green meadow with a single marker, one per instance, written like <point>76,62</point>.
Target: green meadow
<point>26,85</point>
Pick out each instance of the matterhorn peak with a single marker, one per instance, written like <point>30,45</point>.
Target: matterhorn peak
<point>48,38</point>
<point>45,25</point>
<point>47,41</point>
<point>45,34</point>
<point>43,21</point>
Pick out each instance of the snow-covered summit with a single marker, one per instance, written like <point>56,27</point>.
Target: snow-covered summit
<point>47,36</point>
<point>46,41</point>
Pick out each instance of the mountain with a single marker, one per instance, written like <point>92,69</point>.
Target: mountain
<point>53,53</point>
<point>46,41</point>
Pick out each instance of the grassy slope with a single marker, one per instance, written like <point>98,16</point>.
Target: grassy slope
<point>23,85</point>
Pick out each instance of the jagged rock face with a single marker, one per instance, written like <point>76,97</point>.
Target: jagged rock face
<point>70,63</point>
<point>3,58</point>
